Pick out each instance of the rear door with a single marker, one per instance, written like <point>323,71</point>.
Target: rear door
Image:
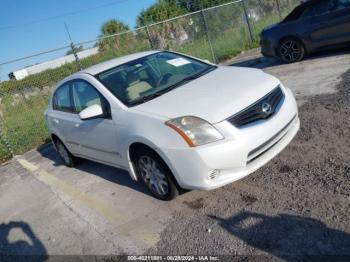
<point>330,23</point>
<point>62,117</point>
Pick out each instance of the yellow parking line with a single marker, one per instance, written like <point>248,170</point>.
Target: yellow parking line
<point>118,220</point>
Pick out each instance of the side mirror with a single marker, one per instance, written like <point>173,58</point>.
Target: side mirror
<point>90,112</point>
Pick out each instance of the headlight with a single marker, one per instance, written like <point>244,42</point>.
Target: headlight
<point>195,131</point>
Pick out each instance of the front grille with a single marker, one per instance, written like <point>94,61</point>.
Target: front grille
<point>262,109</point>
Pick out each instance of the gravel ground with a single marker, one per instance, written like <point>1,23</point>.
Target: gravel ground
<point>297,205</point>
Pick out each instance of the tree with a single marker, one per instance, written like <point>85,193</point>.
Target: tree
<point>217,21</point>
<point>195,5</point>
<point>160,11</point>
<point>110,28</point>
<point>164,35</point>
<point>113,26</point>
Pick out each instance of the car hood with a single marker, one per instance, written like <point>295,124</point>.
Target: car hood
<point>214,96</point>
<point>270,27</point>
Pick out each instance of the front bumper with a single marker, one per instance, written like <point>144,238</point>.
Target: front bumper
<point>242,152</point>
<point>268,47</point>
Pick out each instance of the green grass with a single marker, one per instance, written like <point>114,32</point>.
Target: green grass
<point>23,124</point>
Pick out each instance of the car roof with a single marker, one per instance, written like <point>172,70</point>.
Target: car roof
<point>98,68</point>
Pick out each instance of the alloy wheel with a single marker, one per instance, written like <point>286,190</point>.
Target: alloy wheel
<point>153,176</point>
<point>291,51</point>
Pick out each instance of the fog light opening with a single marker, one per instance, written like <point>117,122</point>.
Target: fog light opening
<point>213,174</point>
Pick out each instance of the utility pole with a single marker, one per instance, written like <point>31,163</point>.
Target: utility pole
<point>73,48</point>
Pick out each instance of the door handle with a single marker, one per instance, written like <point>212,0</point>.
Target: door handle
<point>56,120</point>
<point>76,125</point>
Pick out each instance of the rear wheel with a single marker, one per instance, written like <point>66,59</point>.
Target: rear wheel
<point>68,159</point>
<point>291,50</point>
<point>155,174</point>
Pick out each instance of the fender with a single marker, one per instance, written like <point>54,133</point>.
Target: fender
<point>145,141</point>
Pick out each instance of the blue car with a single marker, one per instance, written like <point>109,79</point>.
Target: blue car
<point>312,26</point>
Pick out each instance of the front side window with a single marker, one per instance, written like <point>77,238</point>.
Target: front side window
<point>324,7</point>
<point>140,80</point>
<point>327,6</point>
<point>62,100</point>
<point>84,95</point>
<point>318,8</point>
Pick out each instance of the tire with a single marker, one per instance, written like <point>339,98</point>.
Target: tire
<point>155,174</point>
<point>68,159</point>
<point>291,50</point>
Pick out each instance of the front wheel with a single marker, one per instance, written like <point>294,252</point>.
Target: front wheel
<point>155,174</point>
<point>291,50</point>
<point>68,159</point>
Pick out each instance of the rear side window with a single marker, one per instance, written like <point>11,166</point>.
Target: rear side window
<point>62,99</point>
<point>314,8</point>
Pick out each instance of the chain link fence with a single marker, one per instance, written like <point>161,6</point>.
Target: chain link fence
<point>216,34</point>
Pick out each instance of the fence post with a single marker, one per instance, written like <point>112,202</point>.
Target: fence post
<point>279,9</point>
<point>248,22</point>
<point>149,37</point>
<point>76,56</point>
<point>208,36</point>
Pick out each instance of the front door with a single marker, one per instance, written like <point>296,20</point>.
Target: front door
<point>95,138</point>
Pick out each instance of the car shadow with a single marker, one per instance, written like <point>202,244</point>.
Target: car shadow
<point>261,62</point>
<point>27,248</point>
<point>109,173</point>
<point>289,237</point>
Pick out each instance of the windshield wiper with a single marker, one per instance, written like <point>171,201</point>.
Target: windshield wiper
<point>144,99</point>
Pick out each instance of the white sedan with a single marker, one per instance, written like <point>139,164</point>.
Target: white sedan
<point>173,121</point>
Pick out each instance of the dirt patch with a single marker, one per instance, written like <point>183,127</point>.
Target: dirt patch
<point>248,199</point>
<point>195,204</point>
<point>285,169</point>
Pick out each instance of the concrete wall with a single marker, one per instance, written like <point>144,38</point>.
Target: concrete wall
<point>34,69</point>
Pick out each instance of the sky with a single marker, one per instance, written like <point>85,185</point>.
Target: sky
<point>28,27</point>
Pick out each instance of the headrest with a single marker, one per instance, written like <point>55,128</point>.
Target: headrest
<point>132,78</point>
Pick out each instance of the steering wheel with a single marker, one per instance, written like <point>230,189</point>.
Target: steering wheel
<point>164,79</point>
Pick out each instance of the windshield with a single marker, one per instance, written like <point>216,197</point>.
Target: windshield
<point>143,79</point>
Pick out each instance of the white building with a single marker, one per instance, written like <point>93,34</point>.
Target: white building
<point>34,69</point>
